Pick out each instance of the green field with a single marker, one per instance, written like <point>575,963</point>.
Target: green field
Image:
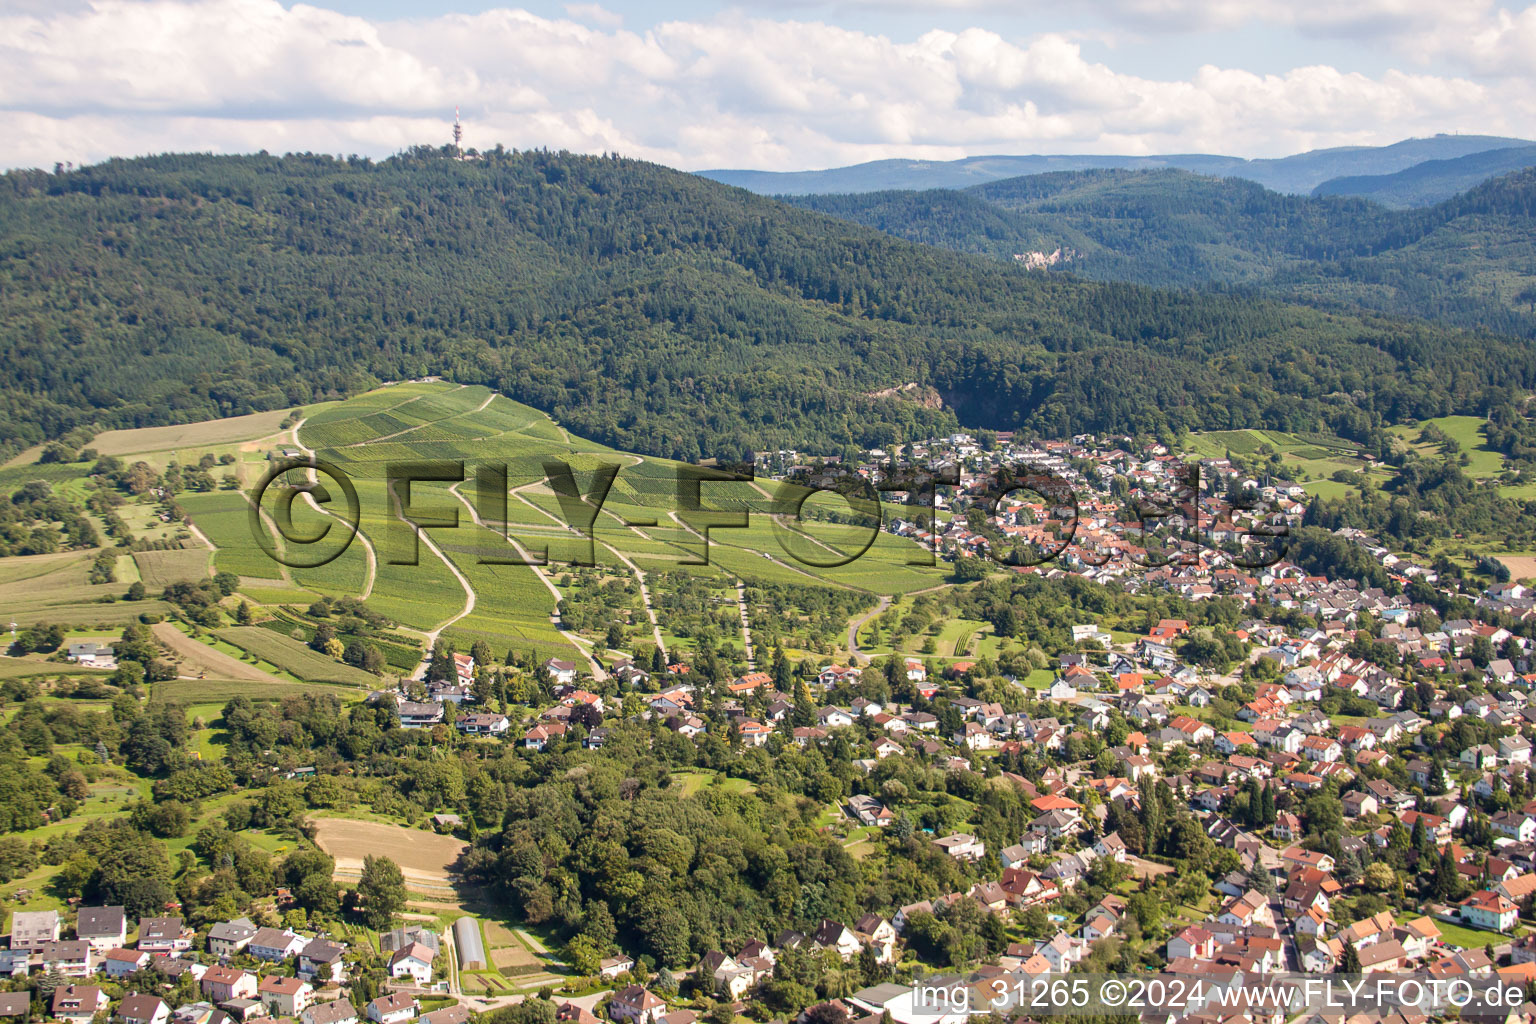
<point>513,606</point>
<point>1466,431</point>
<point>290,655</point>
<point>1311,459</point>
<point>224,516</point>
<point>201,691</point>
<point>55,588</point>
<point>159,569</point>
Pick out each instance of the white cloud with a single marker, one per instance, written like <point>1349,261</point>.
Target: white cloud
<point>1370,19</point>
<point>123,78</point>
<point>595,14</point>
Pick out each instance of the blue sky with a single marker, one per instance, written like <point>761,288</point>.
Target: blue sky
<point>771,84</point>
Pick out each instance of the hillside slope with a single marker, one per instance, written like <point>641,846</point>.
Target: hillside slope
<point>649,309</point>
<point>1432,181</point>
<point>1470,260</point>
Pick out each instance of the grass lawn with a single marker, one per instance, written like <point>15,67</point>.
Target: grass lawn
<point>1468,938</point>
<point>693,782</point>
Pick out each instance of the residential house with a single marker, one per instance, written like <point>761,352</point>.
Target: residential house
<point>961,846</point>
<point>1380,957</point>
<point>1194,942</point>
<point>142,1009</point>
<point>539,736</point>
<point>285,997</point>
<point>836,937</point>
<point>869,811</point>
<point>613,966</point>
<point>337,1011</point>
<point>121,963</point>
<point>561,673</point>
<point>164,935</point>
<point>413,961</point>
<point>103,927</point>
<point>221,984</point>
<point>1488,910</point>
<point>31,930</point>
<point>274,945</point>
<point>230,937</point>
<point>418,714</point>
<point>1062,951</point>
<point>77,1004</point>
<point>482,723</point>
<point>392,1008</point>
<point>324,960</point>
<point>1516,825</point>
<point>876,933</point>
<point>72,958</point>
<point>636,1004</point>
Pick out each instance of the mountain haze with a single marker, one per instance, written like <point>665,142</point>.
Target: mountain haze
<point>1432,181</point>
<point>1300,173</point>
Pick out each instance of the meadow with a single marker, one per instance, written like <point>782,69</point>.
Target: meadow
<point>290,655</point>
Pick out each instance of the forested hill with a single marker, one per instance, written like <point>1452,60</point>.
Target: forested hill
<point>654,310</point>
<point>1469,261</point>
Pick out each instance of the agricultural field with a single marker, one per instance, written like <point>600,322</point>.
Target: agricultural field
<point>513,605</point>
<point>199,436</point>
<point>159,569</point>
<point>456,586</point>
<point>224,518</point>
<point>1466,431</point>
<point>56,588</point>
<point>195,691</point>
<point>1521,567</point>
<point>200,660</point>
<point>292,656</point>
<point>425,858</point>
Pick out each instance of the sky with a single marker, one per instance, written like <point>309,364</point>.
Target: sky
<point>766,84</point>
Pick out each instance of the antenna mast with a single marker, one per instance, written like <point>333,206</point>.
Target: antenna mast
<point>458,134</point>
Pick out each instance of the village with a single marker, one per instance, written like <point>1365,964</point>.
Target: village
<point>1359,754</point>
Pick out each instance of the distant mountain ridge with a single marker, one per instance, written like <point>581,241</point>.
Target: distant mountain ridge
<point>1469,261</point>
<point>1299,173</point>
<point>1432,181</point>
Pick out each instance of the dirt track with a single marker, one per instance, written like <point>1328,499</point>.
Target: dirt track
<point>198,660</point>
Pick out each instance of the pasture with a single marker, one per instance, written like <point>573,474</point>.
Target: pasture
<point>1467,432</point>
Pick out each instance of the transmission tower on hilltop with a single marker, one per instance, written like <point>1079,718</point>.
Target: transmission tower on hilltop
<point>458,134</point>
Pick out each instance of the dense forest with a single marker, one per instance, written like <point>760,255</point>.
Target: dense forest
<point>1470,260</point>
<point>650,309</point>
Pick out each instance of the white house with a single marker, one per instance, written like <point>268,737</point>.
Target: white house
<point>413,961</point>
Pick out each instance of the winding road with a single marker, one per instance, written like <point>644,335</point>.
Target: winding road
<point>368,551</point>
<point>858,624</point>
